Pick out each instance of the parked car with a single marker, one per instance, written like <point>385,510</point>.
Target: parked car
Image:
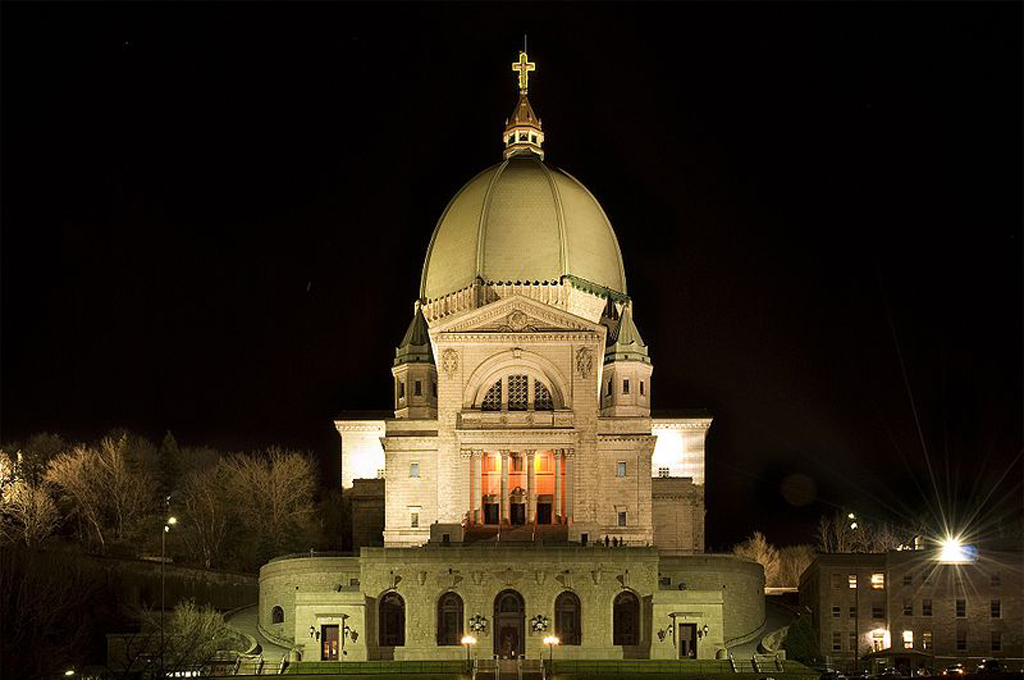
<point>831,675</point>
<point>955,669</point>
<point>889,672</point>
<point>991,666</point>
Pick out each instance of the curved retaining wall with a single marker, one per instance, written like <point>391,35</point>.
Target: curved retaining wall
<point>741,582</point>
<point>282,577</point>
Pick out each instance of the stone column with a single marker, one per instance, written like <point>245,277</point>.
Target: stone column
<point>569,455</point>
<point>504,488</point>
<point>531,500</point>
<point>558,485</point>
<point>474,487</point>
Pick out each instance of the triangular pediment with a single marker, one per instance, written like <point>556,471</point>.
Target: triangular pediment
<point>515,314</point>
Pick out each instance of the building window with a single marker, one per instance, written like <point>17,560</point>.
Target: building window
<point>433,387</point>
<point>542,400</point>
<point>663,472</point>
<point>837,580</point>
<point>926,640</point>
<point>622,517</point>
<point>625,386</point>
<point>878,581</point>
<point>853,642</point>
<point>908,579</point>
<point>997,641</point>
<point>961,609</point>
<point>609,393</point>
<point>626,619</point>
<point>908,608</point>
<point>837,642</point>
<point>908,639</point>
<point>641,388</point>
<point>877,612</point>
<point>997,609</point>
<point>391,615</point>
<point>417,388</point>
<point>414,516</point>
<point>277,615</point>
<point>996,580</point>
<point>836,611</point>
<point>492,400</point>
<point>449,620</point>
<point>620,469</point>
<point>414,469</point>
<point>567,618</point>
<point>926,607</point>
<point>851,580</point>
<point>877,641</point>
<point>961,640</point>
<point>853,612</point>
<point>533,140</point>
<point>517,462</point>
<point>518,395</point>
<point>401,389</point>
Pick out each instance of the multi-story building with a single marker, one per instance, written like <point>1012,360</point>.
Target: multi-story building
<point>915,609</point>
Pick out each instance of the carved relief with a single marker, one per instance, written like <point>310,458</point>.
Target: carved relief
<point>450,362</point>
<point>584,362</point>
<point>517,320</point>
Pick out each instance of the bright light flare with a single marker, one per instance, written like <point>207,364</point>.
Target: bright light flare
<point>469,640</point>
<point>551,640</point>
<point>955,551</point>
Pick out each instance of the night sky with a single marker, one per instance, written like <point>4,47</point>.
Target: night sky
<point>215,217</point>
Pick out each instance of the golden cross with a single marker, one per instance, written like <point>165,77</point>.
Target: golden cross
<point>523,67</point>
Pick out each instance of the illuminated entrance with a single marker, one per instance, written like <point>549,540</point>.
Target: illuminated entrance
<point>521,487</point>
<point>509,624</point>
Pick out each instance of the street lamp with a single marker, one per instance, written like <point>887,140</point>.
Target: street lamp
<point>551,641</point>
<point>171,521</point>
<point>468,641</point>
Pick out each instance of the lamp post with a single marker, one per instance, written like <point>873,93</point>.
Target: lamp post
<point>551,641</point>
<point>468,641</point>
<point>171,521</point>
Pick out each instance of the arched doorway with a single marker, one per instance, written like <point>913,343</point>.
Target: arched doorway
<point>391,620</point>
<point>509,624</point>
<point>449,620</point>
<point>626,619</point>
<point>567,618</point>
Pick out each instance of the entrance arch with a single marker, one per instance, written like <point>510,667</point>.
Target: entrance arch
<point>509,624</point>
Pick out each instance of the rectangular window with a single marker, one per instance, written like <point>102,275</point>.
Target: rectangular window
<point>417,388</point>
<point>414,516</point>
<point>961,609</point>
<point>908,639</point>
<point>908,608</point>
<point>908,579</point>
<point>878,581</point>
<point>877,612</point>
<point>663,472</point>
<point>926,640</point>
<point>609,388</point>
<point>997,609</point>
<point>877,641</point>
<point>961,640</point>
<point>837,642</point>
<point>851,580</point>
<point>853,642</point>
<point>836,611</point>
<point>996,580</point>
<point>625,386</point>
<point>622,518</point>
<point>620,469</point>
<point>853,612</point>
<point>997,641</point>
<point>837,580</point>
<point>926,607</point>
<point>401,390</point>
<point>414,469</point>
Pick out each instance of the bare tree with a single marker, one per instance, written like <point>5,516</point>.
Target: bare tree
<point>28,514</point>
<point>106,488</point>
<point>758,548</point>
<point>207,514</point>
<point>793,560</point>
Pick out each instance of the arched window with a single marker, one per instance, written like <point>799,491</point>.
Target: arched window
<point>492,400</point>
<point>542,400</point>
<point>567,618</point>
<point>449,620</point>
<point>391,620</point>
<point>277,615</point>
<point>626,619</point>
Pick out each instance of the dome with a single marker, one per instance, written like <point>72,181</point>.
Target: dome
<point>522,220</point>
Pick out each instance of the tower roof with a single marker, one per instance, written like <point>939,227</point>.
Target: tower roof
<point>627,344</point>
<point>415,347</point>
<point>524,133</point>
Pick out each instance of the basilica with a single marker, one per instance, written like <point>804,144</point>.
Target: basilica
<point>521,489</point>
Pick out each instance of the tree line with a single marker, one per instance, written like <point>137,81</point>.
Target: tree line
<point>112,496</point>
